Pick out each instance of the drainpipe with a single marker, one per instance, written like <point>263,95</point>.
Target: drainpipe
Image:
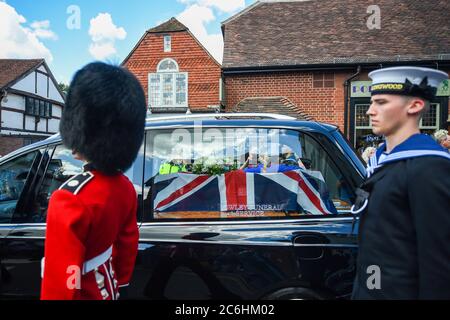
<point>2,95</point>
<point>347,99</point>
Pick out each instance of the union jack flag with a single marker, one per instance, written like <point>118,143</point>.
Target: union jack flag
<point>237,190</point>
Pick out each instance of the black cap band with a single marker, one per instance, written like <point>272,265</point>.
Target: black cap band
<point>422,90</point>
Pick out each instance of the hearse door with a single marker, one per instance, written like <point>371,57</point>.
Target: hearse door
<point>26,241</point>
<point>22,240</point>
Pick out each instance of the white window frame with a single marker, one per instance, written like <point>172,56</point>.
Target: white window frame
<point>167,41</point>
<point>160,74</point>
<point>436,125</point>
<point>370,120</point>
<point>361,127</point>
<point>164,71</point>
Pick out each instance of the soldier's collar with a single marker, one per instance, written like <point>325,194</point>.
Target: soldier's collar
<point>88,167</point>
<point>418,145</point>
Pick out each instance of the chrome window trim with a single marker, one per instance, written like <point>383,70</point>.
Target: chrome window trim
<point>224,115</point>
<point>226,242</point>
<point>209,222</point>
<point>245,222</point>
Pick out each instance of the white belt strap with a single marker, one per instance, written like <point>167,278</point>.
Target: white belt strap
<point>88,265</point>
<point>96,262</point>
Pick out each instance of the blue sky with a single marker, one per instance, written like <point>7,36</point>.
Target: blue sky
<point>104,30</point>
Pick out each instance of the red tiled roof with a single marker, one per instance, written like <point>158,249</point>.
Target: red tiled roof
<point>12,69</point>
<point>171,25</point>
<point>295,33</point>
<point>279,105</point>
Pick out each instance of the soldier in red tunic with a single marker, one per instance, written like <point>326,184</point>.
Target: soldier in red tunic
<point>92,235</point>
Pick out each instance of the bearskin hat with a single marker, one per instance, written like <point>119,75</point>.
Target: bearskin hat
<point>104,117</point>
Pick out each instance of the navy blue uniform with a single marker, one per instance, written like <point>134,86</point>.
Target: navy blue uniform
<point>405,230</point>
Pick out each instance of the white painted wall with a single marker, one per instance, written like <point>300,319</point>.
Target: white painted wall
<point>54,93</point>
<point>53,125</point>
<point>29,123</point>
<point>42,85</point>
<point>42,68</point>
<point>14,101</point>
<point>12,119</point>
<point>26,84</point>
<point>42,125</point>
<point>56,111</point>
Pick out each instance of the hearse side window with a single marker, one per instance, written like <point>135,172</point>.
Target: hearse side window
<point>134,174</point>
<point>13,176</point>
<point>240,173</point>
<point>60,168</point>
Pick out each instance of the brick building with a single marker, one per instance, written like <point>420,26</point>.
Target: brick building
<point>30,103</point>
<point>177,73</point>
<point>317,55</point>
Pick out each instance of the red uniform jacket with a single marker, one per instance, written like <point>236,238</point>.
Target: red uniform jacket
<point>91,238</point>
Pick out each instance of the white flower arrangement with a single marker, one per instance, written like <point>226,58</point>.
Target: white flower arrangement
<point>440,134</point>
<point>213,166</point>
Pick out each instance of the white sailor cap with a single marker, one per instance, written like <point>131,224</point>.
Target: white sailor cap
<point>408,81</point>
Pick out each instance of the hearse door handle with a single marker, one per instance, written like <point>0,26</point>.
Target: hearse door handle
<point>309,239</point>
<point>309,246</point>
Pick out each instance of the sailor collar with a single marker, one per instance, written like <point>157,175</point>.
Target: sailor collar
<point>418,145</point>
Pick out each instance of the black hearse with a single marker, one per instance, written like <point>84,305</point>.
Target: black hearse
<point>231,206</point>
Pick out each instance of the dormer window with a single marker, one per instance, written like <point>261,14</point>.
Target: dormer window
<point>167,43</point>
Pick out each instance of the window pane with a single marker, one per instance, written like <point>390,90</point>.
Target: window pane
<point>240,173</point>
<point>29,107</point>
<point>168,65</point>
<point>167,44</point>
<point>361,118</point>
<point>181,89</point>
<point>134,174</point>
<point>42,108</point>
<point>167,90</point>
<point>429,118</point>
<point>36,107</point>
<point>329,84</point>
<point>318,84</point>
<point>61,168</point>
<point>365,138</point>
<point>13,176</point>
<point>318,76</point>
<point>47,109</point>
<point>155,90</point>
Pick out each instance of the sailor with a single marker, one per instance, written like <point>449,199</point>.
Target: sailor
<point>404,225</point>
<point>92,236</point>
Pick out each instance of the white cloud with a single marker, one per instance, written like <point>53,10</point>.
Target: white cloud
<point>227,6</point>
<point>195,17</point>
<point>42,30</point>
<point>45,24</point>
<point>101,51</point>
<point>19,41</point>
<point>104,34</point>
